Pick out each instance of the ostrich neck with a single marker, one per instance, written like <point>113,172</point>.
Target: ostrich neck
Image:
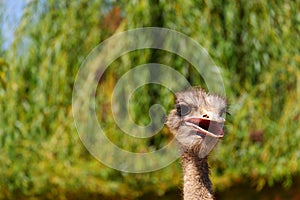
<point>197,184</point>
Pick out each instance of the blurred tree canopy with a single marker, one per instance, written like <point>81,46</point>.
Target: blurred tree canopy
<point>255,43</point>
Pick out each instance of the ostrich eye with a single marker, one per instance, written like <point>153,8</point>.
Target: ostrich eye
<point>182,109</point>
<point>223,113</point>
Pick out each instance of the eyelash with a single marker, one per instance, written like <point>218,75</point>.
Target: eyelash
<point>224,113</point>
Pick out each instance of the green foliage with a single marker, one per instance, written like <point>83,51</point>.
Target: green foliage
<point>255,43</point>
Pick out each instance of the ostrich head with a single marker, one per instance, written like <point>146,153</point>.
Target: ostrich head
<point>197,120</point>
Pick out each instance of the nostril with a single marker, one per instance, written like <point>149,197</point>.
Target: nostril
<point>205,116</point>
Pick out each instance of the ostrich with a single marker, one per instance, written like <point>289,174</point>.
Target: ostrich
<point>197,124</point>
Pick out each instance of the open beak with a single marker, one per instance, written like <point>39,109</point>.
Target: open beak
<point>205,126</point>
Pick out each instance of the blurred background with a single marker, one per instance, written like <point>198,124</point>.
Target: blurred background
<point>256,44</point>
